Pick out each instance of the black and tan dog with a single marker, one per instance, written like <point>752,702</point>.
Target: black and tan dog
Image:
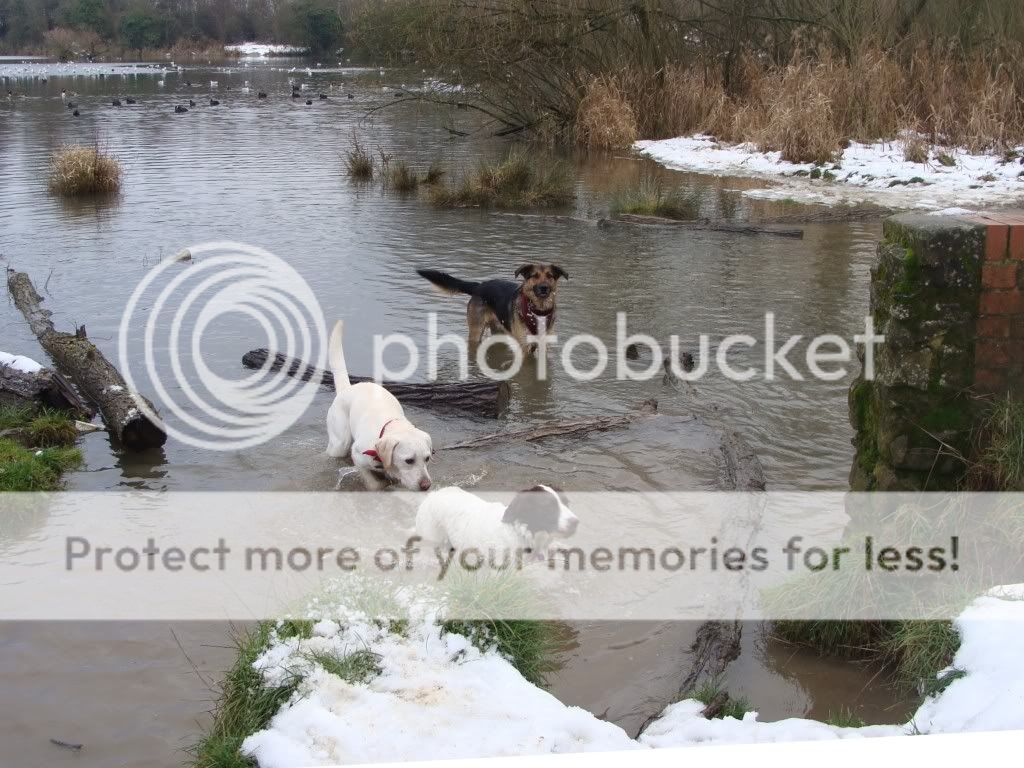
<point>519,309</point>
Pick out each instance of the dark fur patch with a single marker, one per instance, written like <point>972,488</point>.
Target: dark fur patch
<point>534,508</point>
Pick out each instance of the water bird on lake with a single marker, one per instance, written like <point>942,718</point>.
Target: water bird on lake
<point>261,95</point>
<point>351,96</point>
<point>213,83</point>
<point>179,110</point>
<point>308,102</point>
<point>115,103</point>
<point>214,103</point>
<point>130,100</point>
<point>75,113</point>
<point>323,97</point>
<point>191,103</point>
<point>71,105</point>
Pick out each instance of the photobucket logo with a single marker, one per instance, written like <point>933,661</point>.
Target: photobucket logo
<point>826,357</point>
<point>229,286</point>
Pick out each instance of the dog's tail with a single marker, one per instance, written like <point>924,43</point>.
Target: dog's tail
<point>336,355</point>
<point>447,283</point>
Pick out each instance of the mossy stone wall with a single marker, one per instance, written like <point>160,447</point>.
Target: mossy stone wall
<point>915,419</point>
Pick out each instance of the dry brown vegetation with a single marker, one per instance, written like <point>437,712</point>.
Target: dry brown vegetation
<point>797,76</point>
<point>76,170</point>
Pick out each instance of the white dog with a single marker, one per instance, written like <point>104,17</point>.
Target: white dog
<point>367,421</point>
<point>456,519</point>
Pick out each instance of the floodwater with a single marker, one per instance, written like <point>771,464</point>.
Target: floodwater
<point>269,173</point>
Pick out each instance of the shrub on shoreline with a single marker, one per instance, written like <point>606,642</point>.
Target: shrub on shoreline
<point>77,171</point>
<point>515,182</point>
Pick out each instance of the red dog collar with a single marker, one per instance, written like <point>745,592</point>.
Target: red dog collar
<point>372,453</point>
<point>529,315</point>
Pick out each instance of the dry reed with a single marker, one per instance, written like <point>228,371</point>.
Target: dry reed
<point>76,170</point>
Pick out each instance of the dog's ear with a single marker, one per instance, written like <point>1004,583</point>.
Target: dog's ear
<point>524,271</point>
<point>535,508</point>
<point>385,448</point>
<point>558,272</point>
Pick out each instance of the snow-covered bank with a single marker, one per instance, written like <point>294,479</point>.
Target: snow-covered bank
<point>437,696</point>
<point>876,173</point>
<point>987,696</point>
<point>260,50</point>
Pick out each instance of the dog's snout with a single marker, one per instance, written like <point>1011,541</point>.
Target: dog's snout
<point>425,484</point>
<point>542,290</point>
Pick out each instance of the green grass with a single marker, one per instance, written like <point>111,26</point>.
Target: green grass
<point>518,181</point>
<point>37,450</point>
<point>245,705</point>
<point>531,646</point>
<point>844,718</point>
<point>51,429</point>
<point>710,691</point>
<point>358,667</point>
<point>649,197</point>
<point>937,684</point>
<point>1002,453</point>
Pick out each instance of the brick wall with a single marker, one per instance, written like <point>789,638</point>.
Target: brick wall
<point>999,351</point>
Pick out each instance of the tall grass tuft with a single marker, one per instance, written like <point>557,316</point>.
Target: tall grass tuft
<point>518,181</point>
<point>76,171</point>
<point>401,178</point>
<point>649,197</point>
<point>359,162</point>
<point>605,118</point>
<point>1002,451</point>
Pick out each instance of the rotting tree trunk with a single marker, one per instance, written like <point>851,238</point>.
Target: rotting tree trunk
<point>568,427</point>
<point>706,225</point>
<point>94,375</point>
<point>44,387</point>
<point>480,398</point>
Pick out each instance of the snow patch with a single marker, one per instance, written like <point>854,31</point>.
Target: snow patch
<point>261,50</point>
<point>20,363</point>
<point>875,173</point>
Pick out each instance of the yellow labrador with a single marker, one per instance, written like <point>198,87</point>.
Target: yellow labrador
<point>367,422</point>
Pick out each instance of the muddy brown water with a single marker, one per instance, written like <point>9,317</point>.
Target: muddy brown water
<point>269,173</point>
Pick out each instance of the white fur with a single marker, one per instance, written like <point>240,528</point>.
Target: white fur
<point>452,517</point>
<point>354,423</point>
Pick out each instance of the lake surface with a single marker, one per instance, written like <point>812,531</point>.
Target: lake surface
<point>270,173</point>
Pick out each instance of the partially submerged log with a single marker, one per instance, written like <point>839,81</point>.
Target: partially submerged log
<point>565,428</point>
<point>704,225</point>
<point>94,375</point>
<point>42,387</point>
<point>481,398</point>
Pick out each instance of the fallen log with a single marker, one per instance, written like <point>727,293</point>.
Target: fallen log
<point>704,225</point>
<point>563,428</point>
<point>96,378</point>
<point>481,398</point>
<point>42,387</point>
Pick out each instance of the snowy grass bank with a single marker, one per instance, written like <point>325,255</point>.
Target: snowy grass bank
<point>325,693</point>
<point>876,173</point>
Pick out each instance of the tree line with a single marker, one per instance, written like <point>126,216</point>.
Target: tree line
<point>76,27</point>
